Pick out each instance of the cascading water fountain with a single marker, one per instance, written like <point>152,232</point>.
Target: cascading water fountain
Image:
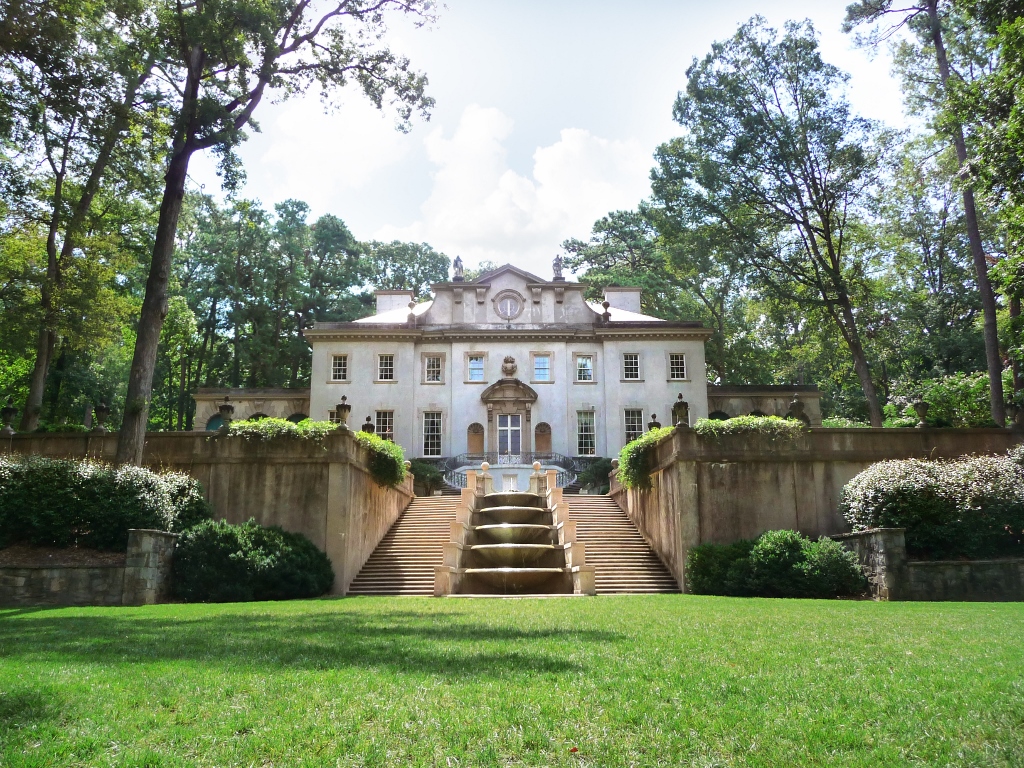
<point>513,543</point>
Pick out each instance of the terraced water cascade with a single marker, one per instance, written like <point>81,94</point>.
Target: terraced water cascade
<point>513,543</point>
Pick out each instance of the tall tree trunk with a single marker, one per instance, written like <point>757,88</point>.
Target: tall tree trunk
<point>46,336</point>
<point>988,298</point>
<point>848,327</point>
<point>132,438</point>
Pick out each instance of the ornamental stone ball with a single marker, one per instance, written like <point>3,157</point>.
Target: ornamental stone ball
<point>484,466</point>
<point>536,466</point>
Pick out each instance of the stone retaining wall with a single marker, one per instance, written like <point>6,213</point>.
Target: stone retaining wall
<point>144,578</point>
<point>882,554</point>
<point>739,486</point>
<point>319,488</point>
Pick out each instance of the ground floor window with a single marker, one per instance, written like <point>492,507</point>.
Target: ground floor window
<point>432,433</point>
<point>384,422</point>
<point>586,443</point>
<point>634,424</point>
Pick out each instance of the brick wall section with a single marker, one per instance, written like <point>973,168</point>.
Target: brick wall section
<point>147,567</point>
<point>882,554</point>
<point>144,579</point>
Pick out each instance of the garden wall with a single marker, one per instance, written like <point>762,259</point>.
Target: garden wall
<point>143,579</point>
<point>739,486</point>
<point>321,489</point>
<point>882,554</point>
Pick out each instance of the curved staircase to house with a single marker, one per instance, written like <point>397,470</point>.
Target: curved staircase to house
<point>403,563</point>
<point>623,562</point>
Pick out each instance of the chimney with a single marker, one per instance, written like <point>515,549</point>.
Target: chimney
<point>389,300</point>
<point>623,297</point>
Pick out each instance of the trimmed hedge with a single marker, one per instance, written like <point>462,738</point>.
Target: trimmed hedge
<point>387,459</point>
<point>773,427</point>
<point>634,458</point>
<point>271,428</point>
<point>61,502</point>
<point>217,562</point>
<point>968,507</point>
<point>778,564</point>
<point>427,475</point>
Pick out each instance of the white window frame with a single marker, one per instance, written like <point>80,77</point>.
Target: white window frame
<point>586,418</point>
<point>668,366</point>
<point>483,357</point>
<point>343,368</point>
<point>533,368</point>
<point>380,361</point>
<point>576,357</point>
<point>639,367</point>
<point>424,364</point>
<point>626,425</point>
<point>439,434</point>
<point>387,420</point>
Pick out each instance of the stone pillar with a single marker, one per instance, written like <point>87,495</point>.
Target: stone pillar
<point>882,554</point>
<point>147,567</point>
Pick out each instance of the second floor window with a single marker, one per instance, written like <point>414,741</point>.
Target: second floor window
<point>385,367</point>
<point>384,424</point>
<point>677,366</point>
<point>432,433</point>
<point>339,368</point>
<point>634,424</point>
<point>542,368</point>
<point>476,367</point>
<point>631,365</point>
<point>584,368</point>
<point>433,369</point>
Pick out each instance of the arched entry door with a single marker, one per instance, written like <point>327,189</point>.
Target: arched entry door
<point>475,438</point>
<point>542,438</point>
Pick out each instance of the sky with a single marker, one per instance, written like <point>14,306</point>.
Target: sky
<point>547,116</point>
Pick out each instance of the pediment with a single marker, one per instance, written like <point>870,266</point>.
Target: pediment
<point>509,269</point>
<point>509,390</point>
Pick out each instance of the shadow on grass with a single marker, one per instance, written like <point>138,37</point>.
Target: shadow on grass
<point>21,708</point>
<point>401,641</point>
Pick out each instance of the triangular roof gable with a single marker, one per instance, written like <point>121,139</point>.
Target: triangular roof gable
<point>530,278</point>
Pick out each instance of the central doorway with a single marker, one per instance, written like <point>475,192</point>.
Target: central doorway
<point>510,437</point>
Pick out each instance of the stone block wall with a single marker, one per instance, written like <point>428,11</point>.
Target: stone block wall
<point>882,554</point>
<point>145,578</point>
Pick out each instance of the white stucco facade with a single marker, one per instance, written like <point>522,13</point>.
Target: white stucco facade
<point>464,336</point>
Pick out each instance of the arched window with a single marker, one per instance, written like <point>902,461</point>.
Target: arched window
<point>214,423</point>
<point>719,415</point>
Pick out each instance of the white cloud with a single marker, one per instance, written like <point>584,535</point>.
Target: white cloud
<point>479,208</point>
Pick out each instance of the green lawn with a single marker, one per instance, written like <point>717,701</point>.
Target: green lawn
<point>629,681</point>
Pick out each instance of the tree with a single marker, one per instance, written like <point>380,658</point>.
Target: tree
<point>221,59</point>
<point>929,20</point>
<point>772,153</point>
<point>404,266</point>
<point>76,76</point>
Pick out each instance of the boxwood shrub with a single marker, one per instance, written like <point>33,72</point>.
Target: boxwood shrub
<point>968,507</point>
<point>218,562</point>
<point>778,564</point>
<point>61,502</point>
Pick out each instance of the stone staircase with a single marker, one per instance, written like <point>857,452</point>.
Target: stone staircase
<point>623,561</point>
<point>403,563</point>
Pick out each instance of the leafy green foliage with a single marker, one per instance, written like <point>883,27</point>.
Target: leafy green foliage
<point>968,507</point>
<point>635,458</point>
<point>595,475</point>
<point>841,422</point>
<point>772,427</point>
<point>427,474</point>
<point>272,429</point>
<point>387,459</point>
<point>59,502</point>
<point>778,564</point>
<point>219,562</point>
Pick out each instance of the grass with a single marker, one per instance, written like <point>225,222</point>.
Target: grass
<point>634,681</point>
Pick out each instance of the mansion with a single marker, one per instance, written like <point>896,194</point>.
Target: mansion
<point>509,364</point>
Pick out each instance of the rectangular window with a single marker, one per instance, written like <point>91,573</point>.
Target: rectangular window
<point>584,368</point>
<point>677,366</point>
<point>384,424</point>
<point>476,367</point>
<point>385,367</point>
<point>542,368</point>
<point>631,365</point>
<point>332,416</point>
<point>634,424</point>
<point>432,369</point>
<point>432,433</point>
<point>339,368</point>
<point>586,444</point>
